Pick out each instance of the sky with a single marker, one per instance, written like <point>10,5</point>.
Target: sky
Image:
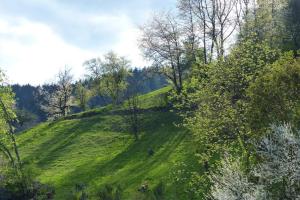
<point>40,37</point>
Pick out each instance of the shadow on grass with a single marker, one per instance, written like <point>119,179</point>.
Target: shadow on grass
<point>133,165</point>
<point>128,168</point>
<point>63,135</point>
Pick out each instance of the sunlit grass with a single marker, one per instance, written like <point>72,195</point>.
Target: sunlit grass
<point>98,149</point>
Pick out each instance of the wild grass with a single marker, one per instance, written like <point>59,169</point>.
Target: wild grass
<point>98,149</point>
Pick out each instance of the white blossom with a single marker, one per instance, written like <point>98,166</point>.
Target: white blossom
<point>280,151</point>
<point>230,183</point>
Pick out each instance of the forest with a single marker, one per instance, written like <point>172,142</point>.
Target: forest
<point>214,116</point>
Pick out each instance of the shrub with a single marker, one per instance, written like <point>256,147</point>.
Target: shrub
<point>217,97</point>
<point>275,95</point>
<point>276,176</point>
<point>24,187</point>
<point>230,182</point>
<point>279,170</point>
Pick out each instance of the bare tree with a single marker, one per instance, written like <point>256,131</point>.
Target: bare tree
<point>243,11</point>
<point>221,22</point>
<point>227,22</point>
<point>134,105</point>
<point>8,121</point>
<point>162,43</point>
<point>65,79</point>
<point>217,21</point>
<point>94,68</point>
<point>189,28</point>
<point>58,102</point>
<point>134,111</point>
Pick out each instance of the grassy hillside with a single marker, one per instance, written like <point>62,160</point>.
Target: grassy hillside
<point>96,148</point>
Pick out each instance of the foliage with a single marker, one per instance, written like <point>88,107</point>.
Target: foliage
<point>57,103</point>
<point>25,119</point>
<point>145,80</point>
<point>8,144</point>
<point>24,186</point>
<point>275,96</point>
<point>193,183</point>
<point>30,98</point>
<point>217,96</point>
<point>276,22</point>
<point>291,19</point>
<point>82,95</point>
<point>226,99</point>
<point>134,114</point>
<point>109,75</point>
<point>26,97</point>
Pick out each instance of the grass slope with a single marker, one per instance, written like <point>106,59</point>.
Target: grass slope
<point>96,148</point>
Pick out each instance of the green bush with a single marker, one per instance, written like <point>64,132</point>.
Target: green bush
<point>219,117</point>
<point>275,96</point>
<point>23,186</point>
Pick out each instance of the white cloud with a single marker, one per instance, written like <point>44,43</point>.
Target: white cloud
<point>127,45</point>
<point>31,52</point>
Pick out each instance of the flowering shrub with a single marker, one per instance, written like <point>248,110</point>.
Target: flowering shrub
<point>278,173</point>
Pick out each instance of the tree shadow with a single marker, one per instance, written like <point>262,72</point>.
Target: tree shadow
<point>62,135</point>
<point>132,165</point>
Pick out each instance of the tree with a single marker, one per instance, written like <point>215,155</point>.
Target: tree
<point>134,107</point>
<point>226,22</point>
<point>216,22</point>
<point>25,118</point>
<point>28,101</point>
<point>274,96</point>
<point>110,75</point>
<point>58,101</point>
<point>65,89</point>
<point>275,21</point>
<point>162,43</point>
<point>195,24</point>
<point>134,111</point>
<point>82,95</point>
<point>7,119</point>
<point>218,115</point>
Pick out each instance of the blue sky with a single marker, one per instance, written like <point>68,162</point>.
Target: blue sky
<point>40,37</point>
